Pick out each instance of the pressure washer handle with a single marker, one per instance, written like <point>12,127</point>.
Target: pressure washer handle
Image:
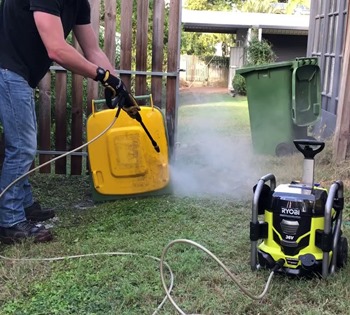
<point>309,148</point>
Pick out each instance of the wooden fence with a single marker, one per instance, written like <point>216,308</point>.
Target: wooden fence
<point>140,73</point>
<point>211,72</point>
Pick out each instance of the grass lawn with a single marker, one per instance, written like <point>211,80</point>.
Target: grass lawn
<point>213,175</point>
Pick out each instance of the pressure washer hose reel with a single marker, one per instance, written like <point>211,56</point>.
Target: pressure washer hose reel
<point>301,225</point>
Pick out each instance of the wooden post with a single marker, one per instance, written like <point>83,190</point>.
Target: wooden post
<point>172,82</point>
<point>92,87</point>
<point>77,118</point>
<point>141,44</point>
<point>126,40</point>
<point>157,50</point>
<point>61,119</point>
<point>45,121</point>
<point>110,23</point>
<point>342,130</point>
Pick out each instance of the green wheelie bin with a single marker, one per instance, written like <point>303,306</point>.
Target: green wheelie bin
<point>284,100</point>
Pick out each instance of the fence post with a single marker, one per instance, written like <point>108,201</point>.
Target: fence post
<point>173,61</point>
<point>126,40</point>
<point>61,119</point>
<point>157,50</point>
<point>141,44</point>
<point>77,118</point>
<point>44,124</point>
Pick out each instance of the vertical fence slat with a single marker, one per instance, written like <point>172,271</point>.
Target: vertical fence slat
<point>92,86</point>
<point>173,60</point>
<point>126,40</point>
<point>141,44</point>
<point>77,118</point>
<point>45,121</point>
<point>61,120</point>
<point>77,126</point>
<point>157,50</point>
<point>110,23</point>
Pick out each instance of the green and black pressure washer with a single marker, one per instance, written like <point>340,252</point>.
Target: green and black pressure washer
<point>301,232</point>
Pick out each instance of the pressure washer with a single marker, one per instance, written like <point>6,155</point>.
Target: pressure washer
<point>300,232</point>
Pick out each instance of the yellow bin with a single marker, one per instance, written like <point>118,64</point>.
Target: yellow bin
<point>123,161</point>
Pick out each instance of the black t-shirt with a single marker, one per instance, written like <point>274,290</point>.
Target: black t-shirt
<point>21,48</point>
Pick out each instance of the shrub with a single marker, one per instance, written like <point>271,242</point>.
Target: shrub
<point>239,85</point>
<point>257,53</point>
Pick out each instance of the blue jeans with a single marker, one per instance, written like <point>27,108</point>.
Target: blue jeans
<point>17,116</point>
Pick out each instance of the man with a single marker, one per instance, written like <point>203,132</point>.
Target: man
<point>33,34</point>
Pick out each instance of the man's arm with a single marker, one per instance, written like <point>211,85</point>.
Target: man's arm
<point>88,42</point>
<point>51,31</point>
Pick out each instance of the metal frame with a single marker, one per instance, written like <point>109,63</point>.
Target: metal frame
<point>255,215</point>
<point>336,190</point>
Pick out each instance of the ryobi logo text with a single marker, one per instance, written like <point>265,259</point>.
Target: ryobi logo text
<point>289,210</point>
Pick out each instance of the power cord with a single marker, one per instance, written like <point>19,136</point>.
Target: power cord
<point>163,263</point>
<point>103,254</point>
<point>244,290</point>
<point>161,260</point>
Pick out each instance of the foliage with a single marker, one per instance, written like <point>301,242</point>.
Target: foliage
<point>216,5</point>
<point>271,6</point>
<point>292,5</point>
<point>259,6</point>
<point>258,53</point>
<point>203,44</point>
<point>238,84</point>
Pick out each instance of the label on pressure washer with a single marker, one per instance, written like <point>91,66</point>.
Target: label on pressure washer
<point>289,210</point>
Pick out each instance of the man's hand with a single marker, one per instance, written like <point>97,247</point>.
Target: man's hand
<point>115,88</point>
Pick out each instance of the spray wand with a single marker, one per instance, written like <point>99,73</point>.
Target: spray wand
<point>138,118</point>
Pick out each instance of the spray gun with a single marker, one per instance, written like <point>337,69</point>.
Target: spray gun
<point>137,117</point>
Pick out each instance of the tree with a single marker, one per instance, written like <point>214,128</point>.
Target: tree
<point>259,6</point>
<point>271,6</point>
<point>293,4</point>
<point>214,5</point>
<point>203,44</point>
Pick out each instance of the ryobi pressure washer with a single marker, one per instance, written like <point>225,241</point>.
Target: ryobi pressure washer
<point>301,231</point>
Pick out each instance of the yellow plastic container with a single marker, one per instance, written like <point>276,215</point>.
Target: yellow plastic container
<point>123,161</point>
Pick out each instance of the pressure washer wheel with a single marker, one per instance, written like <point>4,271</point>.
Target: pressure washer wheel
<point>342,253</point>
<point>284,149</point>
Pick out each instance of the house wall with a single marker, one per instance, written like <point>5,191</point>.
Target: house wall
<point>326,42</point>
<point>287,47</point>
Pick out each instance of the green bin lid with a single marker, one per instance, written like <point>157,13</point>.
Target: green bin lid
<point>306,95</point>
<point>246,70</point>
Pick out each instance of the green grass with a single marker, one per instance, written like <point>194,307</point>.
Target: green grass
<point>214,172</point>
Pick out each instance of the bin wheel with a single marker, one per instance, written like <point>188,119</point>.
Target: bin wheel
<point>342,254</point>
<point>284,149</point>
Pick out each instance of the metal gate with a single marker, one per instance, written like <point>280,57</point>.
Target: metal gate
<point>326,41</point>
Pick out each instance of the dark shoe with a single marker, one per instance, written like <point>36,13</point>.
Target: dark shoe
<point>25,230</point>
<point>36,214</point>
